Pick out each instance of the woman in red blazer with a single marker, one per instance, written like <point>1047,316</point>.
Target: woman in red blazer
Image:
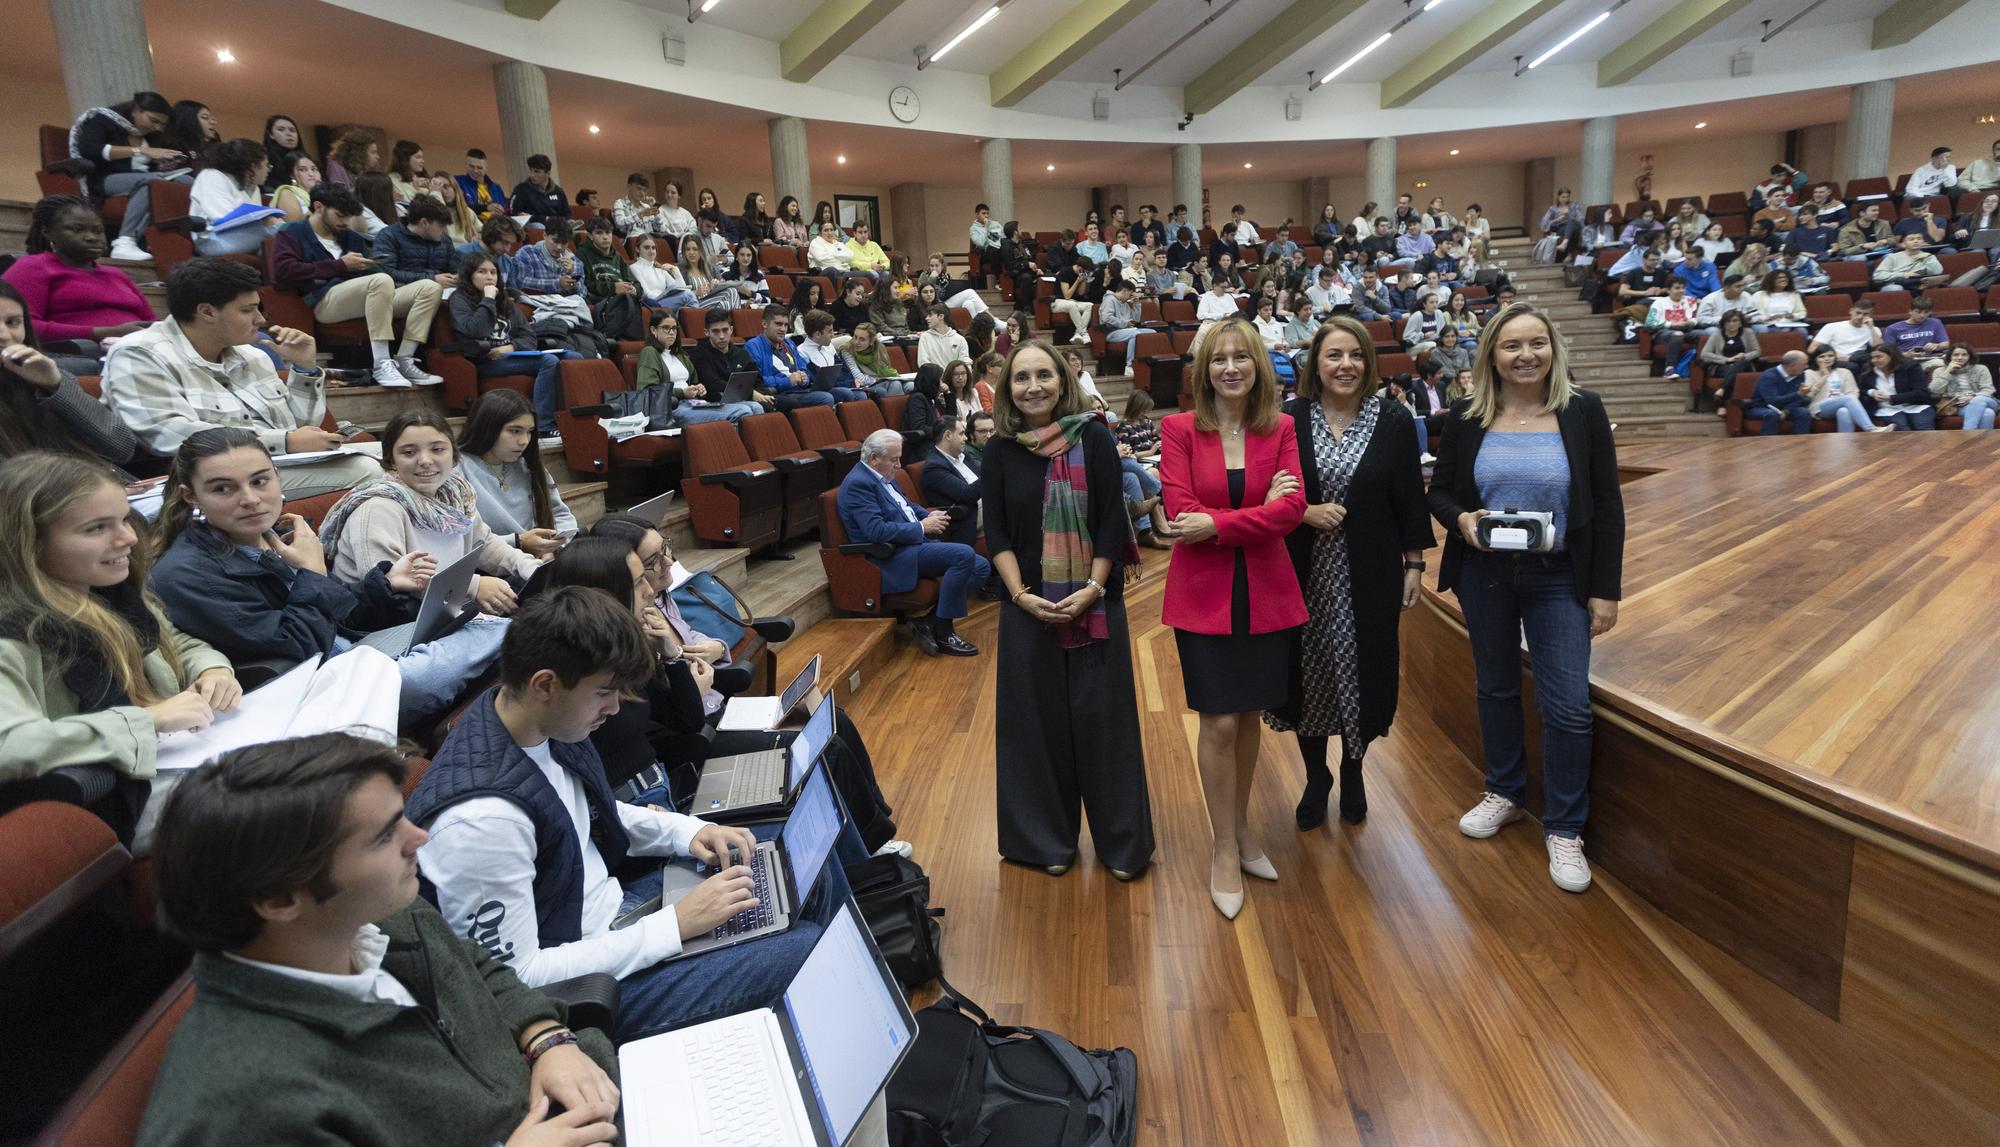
<point>1230,476</point>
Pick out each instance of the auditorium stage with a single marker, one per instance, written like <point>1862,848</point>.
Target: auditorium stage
<point>1798,733</point>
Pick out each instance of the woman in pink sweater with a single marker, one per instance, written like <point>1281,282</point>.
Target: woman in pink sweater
<point>73,302</point>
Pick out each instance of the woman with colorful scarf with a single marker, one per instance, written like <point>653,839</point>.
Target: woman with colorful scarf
<point>1058,536</point>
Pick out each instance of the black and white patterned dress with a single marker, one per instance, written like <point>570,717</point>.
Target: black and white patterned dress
<point>1331,696</point>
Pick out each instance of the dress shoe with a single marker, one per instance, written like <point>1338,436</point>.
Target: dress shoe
<point>1311,812</point>
<point>956,646</point>
<point>1258,866</point>
<point>1055,869</point>
<point>920,631</point>
<point>1353,794</point>
<point>1227,903</point>
<point>1128,874</point>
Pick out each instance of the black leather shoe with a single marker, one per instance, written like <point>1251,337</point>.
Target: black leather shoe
<point>1311,812</point>
<point>956,646</point>
<point>925,639</point>
<point>1353,795</point>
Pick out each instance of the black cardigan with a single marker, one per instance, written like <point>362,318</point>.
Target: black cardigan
<point>1010,490</point>
<point>1596,517</point>
<point>1385,518</point>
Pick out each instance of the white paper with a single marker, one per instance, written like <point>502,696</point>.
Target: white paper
<point>265,714</point>
<point>750,714</point>
<point>308,457</point>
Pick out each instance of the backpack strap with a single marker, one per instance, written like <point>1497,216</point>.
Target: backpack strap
<point>960,1000</point>
<point>1088,1079</point>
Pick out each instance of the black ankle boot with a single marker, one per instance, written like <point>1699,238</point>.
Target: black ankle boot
<point>1353,794</point>
<point>1311,812</point>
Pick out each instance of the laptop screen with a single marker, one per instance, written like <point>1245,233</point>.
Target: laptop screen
<point>810,831</point>
<point>850,1030</point>
<point>810,743</point>
<point>795,692</point>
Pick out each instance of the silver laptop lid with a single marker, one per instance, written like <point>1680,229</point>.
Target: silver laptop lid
<point>444,597</point>
<point>846,1026</point>
<point>654,509</point>
<point>809,833</point>
<point>809,744</point>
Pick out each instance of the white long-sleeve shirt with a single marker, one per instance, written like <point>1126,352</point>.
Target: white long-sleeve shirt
<point>216,193</point>
<point>481,858</point>
<point>1928,180</point>
<point>832,254</point>
<point>1212,307</point>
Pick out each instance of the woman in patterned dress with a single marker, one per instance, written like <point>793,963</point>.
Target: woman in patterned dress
<point>1359,556</point>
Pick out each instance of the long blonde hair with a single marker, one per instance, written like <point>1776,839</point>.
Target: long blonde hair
<point>1260,409</point>
<point>37,490</point>
<point>1485,404</point>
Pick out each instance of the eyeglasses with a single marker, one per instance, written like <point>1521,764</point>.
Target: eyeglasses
<point>656,563</point>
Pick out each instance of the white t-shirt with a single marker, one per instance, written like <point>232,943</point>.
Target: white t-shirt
<point>1844,337</point>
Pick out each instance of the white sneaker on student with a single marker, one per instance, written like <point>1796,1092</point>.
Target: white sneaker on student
<point>386,374</point>
<point>1493,813</point>
<point>1426,458</point>
<point>895,848</point>
<point>1567,867</point>
<point>406,365</point>
<point>128,251</point>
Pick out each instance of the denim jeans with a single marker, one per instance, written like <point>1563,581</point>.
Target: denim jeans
<point>1925,419</point>
<point>1502,595</point>
<point>1770,415</point>
<point>1978,412</point>
<point>139,204</point>
<point>793,399</point>
<point>437,672</point>
<point>888,388</point>
<point>728,980</point>
<point>1128,336</point>
<point>671,301</point>
<point>686,415</point>
<point>548,381</point>
<point>1846,412</point>
<point>1139,486</point>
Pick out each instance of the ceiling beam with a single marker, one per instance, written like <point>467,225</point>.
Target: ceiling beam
<point>1905,20</point>
<point>529,9</point>
<point>1277,41</point>
<point>1675,29</point>
<point>832,28</point>
<point>1065,42</point>
<point>1488,28</point>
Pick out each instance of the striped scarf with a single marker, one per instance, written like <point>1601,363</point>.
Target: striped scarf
<point>1066,553</point>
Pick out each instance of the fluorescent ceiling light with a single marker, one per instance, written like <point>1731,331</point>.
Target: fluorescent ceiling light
<point>709,5</point>
<point>1355,58</point>
<point>1572,38</point>
<point>594,129</point>
<point>985,18</point>
<point>840,159</point>
<point>1432,4</point>
<point>1052,167</point>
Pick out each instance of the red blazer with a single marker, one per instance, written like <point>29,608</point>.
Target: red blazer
<point>1201,577</point>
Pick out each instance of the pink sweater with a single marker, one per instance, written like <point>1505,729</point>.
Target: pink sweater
<point>66,302</point>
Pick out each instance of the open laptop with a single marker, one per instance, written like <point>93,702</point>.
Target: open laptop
<point>750,785</point>
<point>782,873</point>
<point>442,611</point>
<point>741,384</point>
<point>763,714</point>
<point>802,1073</point>
<point>827,377</point>
<point>654,509</point>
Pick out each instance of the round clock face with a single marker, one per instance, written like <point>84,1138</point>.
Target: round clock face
<point>903,103</point>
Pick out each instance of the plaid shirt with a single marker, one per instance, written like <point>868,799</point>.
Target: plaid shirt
<point>537,271</point>
<point>157,384</point>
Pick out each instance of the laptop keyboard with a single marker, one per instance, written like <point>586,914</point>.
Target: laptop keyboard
<point>760,887</point>
<point>756,778</point>
<point>735,1101</point>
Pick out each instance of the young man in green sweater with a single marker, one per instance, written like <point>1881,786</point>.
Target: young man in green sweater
<point>331,1004</point>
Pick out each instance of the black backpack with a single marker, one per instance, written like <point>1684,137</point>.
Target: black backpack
<point>894,896</point>
<point>970,1082</point>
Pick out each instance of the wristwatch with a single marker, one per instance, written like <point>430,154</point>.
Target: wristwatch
<point>1095,584</point>
<point>1410,565</point>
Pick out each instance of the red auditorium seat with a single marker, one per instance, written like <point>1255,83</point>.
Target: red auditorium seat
<point>1827,308</point>
<point>1982,337</point>
<point>1772,345</point>
<point>1178,313</point>
<point>61,175</point>
<point>1954,304</point>
<point>1959,262</point>
<point>903,356</point>
<point>768,438</point>
<point>1728,203</point>
<point>818,428</point>
<point>694,324</point>
<point>1844,277</point>
<point>892,410</point>
<point>1383,332</point>
<point>107,1108</point>
<point>732,500</point>
<point>1390,365</point>
<point>1148,346</point>
<point>781,287</point>
<point>59,857</point>
<point>1867,190</point>
<point>587,446</point>
<point>1890,306</point>
<point>860,419</point>
<point>852,581</point>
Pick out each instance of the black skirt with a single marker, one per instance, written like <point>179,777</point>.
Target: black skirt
<point>1238,671</point>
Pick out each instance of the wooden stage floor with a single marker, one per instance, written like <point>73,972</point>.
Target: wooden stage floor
<point>1401,984</point>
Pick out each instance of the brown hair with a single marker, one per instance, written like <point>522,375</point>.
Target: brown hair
<point>574,632</point>
<point>490,415</point>
<point>255,824</point>
<point>1007,420</point>
<point>1371,378</point>
<point>1260,408</point>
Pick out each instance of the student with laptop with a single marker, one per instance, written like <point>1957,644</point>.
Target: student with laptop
<point>717,365</point>
<point>252,580</point>
<point>786,372</point>
<point>528,845</point>
<point>331,1004</point>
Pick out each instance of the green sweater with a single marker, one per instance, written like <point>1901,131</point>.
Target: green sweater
<point>264,1058</point>
<point>602,272</point>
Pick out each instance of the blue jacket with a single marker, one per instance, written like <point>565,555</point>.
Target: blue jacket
<point>251,608</point>
<point>1699,282</point>
<point>869,514</point>
<point>480,759</point>
<point>1777,390</point>
<point>776,365</point>
<point>410,258</point>
<point>470,190</point>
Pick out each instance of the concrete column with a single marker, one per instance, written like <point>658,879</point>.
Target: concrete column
<point>996,177</point>
<point>1870,108</point>
<point>522,91</point>
<point>1381,178</point>
<point>791,164</point>
<point>1538,190</point>
<point>1600,153</point>
<point>1187,181</point>
<point>104,51</point>
<point>907,225</point>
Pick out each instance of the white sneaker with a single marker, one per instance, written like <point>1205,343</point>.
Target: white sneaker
<point>407,366</point>
<point>895,848</point>
<point>1493,813</point>
<point>547,440</point>
<point>1426,458</point>
<point>1080,337</point>
<point>128,251</point>
<point>1567,867</point>
<point>1880,429</point>
<point>386,374</point>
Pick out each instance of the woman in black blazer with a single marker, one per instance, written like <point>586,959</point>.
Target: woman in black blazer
<point>1896,391</point>
<point>1527,439</point>
<point>1359,558</point>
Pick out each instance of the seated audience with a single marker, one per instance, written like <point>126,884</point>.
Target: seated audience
<point>868,363</point>
<point>707,289</point>
<point>91,670</point>
<point>1729,349</point>
<point>986,232</point>
<point>1918,219</point>
<point>787,374</point>
<point>1853,336</point>
<point>788,227</point>
<point>251,580</point>
<point>197,368</point>
<point>1783,392</point>
<point>291,870</point>
<point>747,278</point>
<point>854,306</point>
<point>281,138</point>
<point>1734,296</point>
<point>1673,319</point>
<point>539,196</point>
<point>378,202</point>
<point>549,267</point>
<point>636,212</point>
<point>467,228</point>
<point>715,358</point>
<point>296,176</point>
<point>1920,336</point>
<point>1421,326</point>
<point>709,228</point>
<point>1831,393</point>
<point>927,409</point>
<point>660,284</point>
<point>1698,273</point>
<point>662,363</point>
<point>1452,354</point>
<point>517,497</point>
<point>1964,386</point>
<point>484,322</point>
<point>1118,318</point>
<point>1778,301</point>
<point>321,259</point>
<point>122,148</point>
<point>481,194</point>
<point>1909,268</point>
<point>1777,211</point>
<point>873,509</point>
<point>951,483</point>
<point>818,353</point>
<point>753,226</point>
<point>951,292</point>
<point>354,154</point>
<point>828,253</point>
<point>605,273</point>
<point>864,255</point>
<point>971,390</point>
<point>1895,390</point>
<point>1938,176</point>
<point>41,405</point>
<point>1865,236</point>
<point>232,179</point>
<point>409,174</point>
<point>72,300</point>
<point>939,344</point>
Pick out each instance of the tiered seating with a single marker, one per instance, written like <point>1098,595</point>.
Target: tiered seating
<point>733,499</point>
<point>769,438</point>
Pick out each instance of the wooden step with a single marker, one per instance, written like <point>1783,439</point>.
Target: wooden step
<point>373,406</point>
<point>727,564</point>
<point>796,589</point>
<point>14,217</point>
<point>585,500</point>
<point>851,651</point>
<point>1670,426</point>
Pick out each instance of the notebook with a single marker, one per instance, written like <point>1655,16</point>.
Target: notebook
<point>763,714</point>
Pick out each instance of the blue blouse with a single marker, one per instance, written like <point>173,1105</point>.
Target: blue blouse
<point>1527,471</point>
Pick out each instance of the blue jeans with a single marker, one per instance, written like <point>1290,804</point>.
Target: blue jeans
<point>671,301</point>
<point>728,980</point>
<point>685,415</point>
<point>437,672</point>
<point>235,241</point>
<point>1502,595</point>
<point>1139,486</point>
<point>1847,413</point>
<point>1423,435</point>
<point>961,570</point>
<point>1800,416</point>
<point>1128,336</point>
<point>1925,419</point>
<point>547,370</point>
<point>1978,413</point>
<point>888,388</point>
<point>793,399</point>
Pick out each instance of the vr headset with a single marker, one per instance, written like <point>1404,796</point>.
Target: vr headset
<point>1517,531</point>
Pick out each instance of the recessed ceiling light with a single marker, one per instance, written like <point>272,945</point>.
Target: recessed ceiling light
<point>594,129</point>
<point>840,159</point>
<point>1454,151</point>
<point>1246,165</point>
<point>1052,167</point>
<point>1700,124</point>
<point>224,56</point>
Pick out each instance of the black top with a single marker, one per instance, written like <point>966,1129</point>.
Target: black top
<point>1596,517</point>
<point>944,487</point>
<point>712,367</point>
<point>846,316</point>
<point>1010,487</point>
<point>1640,279</point>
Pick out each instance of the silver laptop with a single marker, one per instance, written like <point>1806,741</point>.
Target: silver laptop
<point>782,873</point>
<point>800,1074</point>
<point>763,714</point>
<point>444,601</point>
<point>748,785</point>
<point>654,509</point>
